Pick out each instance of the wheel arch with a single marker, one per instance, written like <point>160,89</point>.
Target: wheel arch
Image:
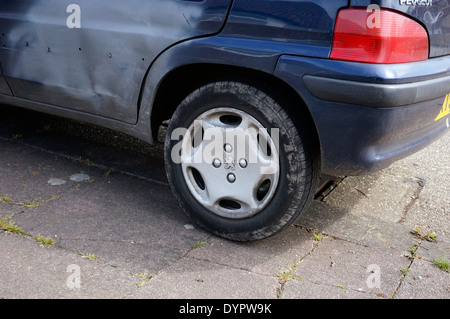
<point>178,83</point>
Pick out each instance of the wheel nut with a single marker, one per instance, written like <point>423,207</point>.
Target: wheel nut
<point>231,178</point>
<point>243,163</point>
<point>228,148</point>
<point>216,163</point>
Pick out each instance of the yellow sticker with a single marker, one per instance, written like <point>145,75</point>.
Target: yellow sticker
<point>445,108</point>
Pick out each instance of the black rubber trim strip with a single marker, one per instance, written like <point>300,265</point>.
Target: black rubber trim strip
<point>376,95</point>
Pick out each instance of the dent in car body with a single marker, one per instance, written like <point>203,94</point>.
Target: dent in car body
<point>98,68</point>
<point>226,48</point>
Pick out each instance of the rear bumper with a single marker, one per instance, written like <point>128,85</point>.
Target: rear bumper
<point>377,95</point>
<point>368,116</point>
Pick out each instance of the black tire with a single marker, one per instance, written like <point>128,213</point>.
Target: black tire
<point>298,161</point>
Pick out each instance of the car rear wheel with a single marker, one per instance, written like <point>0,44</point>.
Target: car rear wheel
<point>237,163</point>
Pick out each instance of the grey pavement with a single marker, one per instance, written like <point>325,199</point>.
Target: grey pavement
<point>119,233</point>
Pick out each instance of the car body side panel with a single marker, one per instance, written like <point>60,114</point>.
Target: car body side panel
<point>290,25</point>
<point>97,66</point>
<point>205,50</point>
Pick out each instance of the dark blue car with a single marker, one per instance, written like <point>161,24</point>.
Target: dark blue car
<point>260,96</point>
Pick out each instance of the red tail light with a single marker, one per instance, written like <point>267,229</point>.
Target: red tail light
<point>381,37</point>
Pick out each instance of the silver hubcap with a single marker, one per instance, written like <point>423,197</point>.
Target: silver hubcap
<point>230,163</point>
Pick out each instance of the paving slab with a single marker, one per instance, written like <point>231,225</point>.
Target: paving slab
<point>431,209</point>
<point>424,281</point>
<point>381,195</point>
<point>29,271</point>
<point>311,290</point>
<point>349,266</point>
<point>116,217</point>
<point>8,209</point>
<point>269,257</point>
<point>356,227</point>
<point>435,249</point>
<point>193,279</point>
<point>25,173</point>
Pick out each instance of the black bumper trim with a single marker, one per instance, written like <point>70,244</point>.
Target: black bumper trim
<point>376,95</point>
